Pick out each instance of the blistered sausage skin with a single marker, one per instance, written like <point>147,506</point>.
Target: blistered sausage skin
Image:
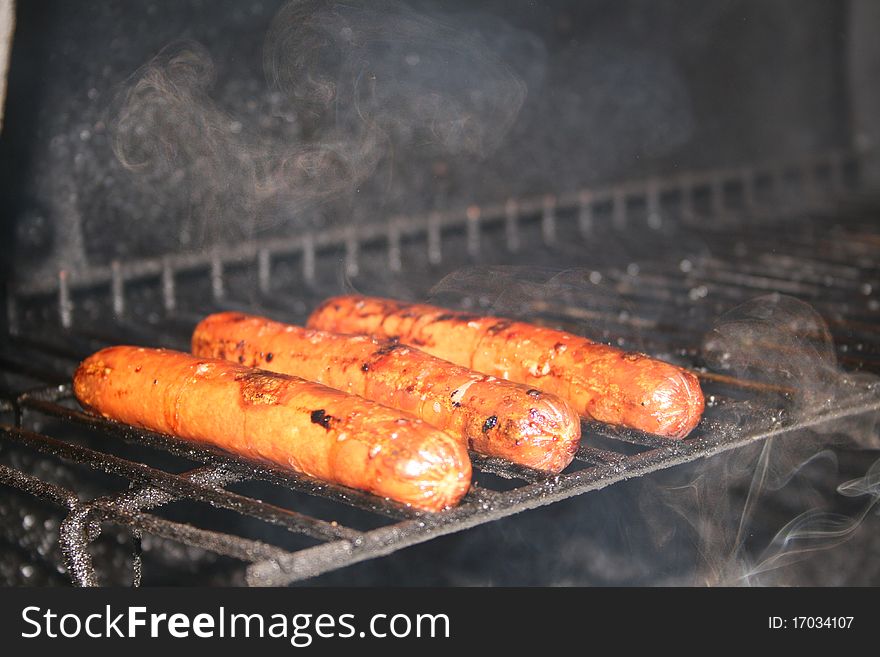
<point>489,415</point>
<point>601,382</point>
<point>280,419</point>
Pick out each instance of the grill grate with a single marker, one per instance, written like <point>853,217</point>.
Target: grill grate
<point>826,254</point>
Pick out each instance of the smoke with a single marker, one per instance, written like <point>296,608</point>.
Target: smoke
<point>577,300</point>
<point>403,74</point>
<point>818,529</point>
<point>784,343</point>
<point>351,90</point>
<point>760,511</point>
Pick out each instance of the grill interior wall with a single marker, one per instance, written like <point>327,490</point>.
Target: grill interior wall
<point>674,96</point>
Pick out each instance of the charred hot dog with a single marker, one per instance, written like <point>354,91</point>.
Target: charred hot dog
<point>280,419</point>
<point>601,382</point>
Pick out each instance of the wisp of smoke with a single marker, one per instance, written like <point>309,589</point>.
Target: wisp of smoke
<point>364,67</point>
<point>352,85</point>
<point>818,529</point>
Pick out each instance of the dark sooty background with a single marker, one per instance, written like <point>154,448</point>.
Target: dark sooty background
<point>614,90</point>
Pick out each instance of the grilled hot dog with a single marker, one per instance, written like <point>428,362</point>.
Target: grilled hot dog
<point>280,419</point>
<point>601,382</point>
<point>491,416</point>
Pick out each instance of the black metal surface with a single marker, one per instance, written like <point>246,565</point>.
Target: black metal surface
<point>825,257</point>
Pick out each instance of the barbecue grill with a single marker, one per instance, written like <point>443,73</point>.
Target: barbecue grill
<point>697,244</point>
<point>839,279</point>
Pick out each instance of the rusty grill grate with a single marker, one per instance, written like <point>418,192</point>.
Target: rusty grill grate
<point>724,237</point>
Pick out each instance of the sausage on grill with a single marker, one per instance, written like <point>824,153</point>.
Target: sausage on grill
<point>280,419</point>
<point>491,416</point>
<point>601,382</point>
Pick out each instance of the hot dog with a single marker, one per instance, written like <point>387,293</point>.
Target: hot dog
<point>601,382</point>
<point>491,416</point>
<point>280,419</point>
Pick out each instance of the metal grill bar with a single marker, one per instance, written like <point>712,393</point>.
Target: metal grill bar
<point>217,542</point>
<point>38,488</point>
<point>351,236</point>
<point>177,486</point>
